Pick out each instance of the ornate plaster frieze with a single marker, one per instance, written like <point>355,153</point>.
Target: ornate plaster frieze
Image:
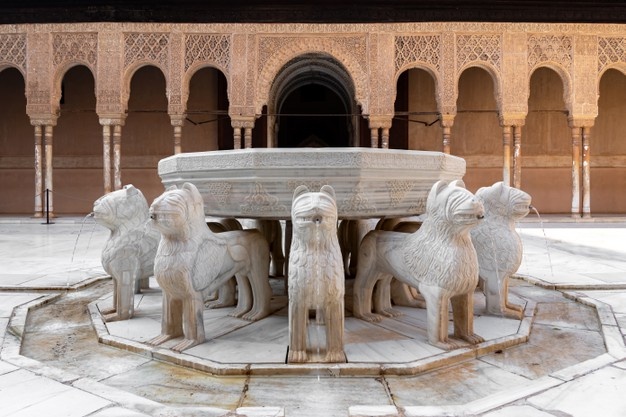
<point>411,50</point>
<point>208,49</point>
<point>13,50</point>
<point>611,51</point>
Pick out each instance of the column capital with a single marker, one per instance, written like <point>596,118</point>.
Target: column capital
<point>380,121</point>
<point>243,122</point>
<point>112,119</point>
<point>447,120</point>
<point>580,121</point>
<point>44,119</point>
<point>512,119</point>
<point>178,119</point>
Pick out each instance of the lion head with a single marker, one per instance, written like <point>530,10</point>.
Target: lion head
<point>177,211</point>
<point>313,212</point>
<point>502,200</point>
<point>453,205</point>
<point>123,208</point>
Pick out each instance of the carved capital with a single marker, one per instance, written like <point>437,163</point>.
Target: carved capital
<point>43,119</point>
<point>447,120</point>
<point>112,119</point>
<point>580,121</point>
<point>512,119</point>
<point>178,119</point>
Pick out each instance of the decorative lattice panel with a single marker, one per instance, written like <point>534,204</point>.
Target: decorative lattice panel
<point>611,50</point>
<point>207,48</point>
<point>418,49</point>
<point>549,48</point>
<point>479,48</point>
<point>151,47</point>
<point>13,49</point>
<point>69,47</point>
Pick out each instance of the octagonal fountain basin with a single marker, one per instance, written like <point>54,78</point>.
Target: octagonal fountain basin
<point>259,182</point>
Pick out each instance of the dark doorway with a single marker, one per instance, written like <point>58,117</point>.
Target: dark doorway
<point>313,115</point>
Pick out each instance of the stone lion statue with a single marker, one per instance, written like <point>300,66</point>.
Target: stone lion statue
<point>498,245</point>
<point>192,261</point>
<point>316,280</point>
<point>438,259</point>
<point>128,255</point>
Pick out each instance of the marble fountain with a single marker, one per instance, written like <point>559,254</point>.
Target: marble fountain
<point>365,183</point>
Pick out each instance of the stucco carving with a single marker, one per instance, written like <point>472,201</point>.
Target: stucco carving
<point>479,49</point>
<point>611,50</point>
<point>498,245</point>
<point>208,49</point>
<point>128,255</point>
<point>549,48</point>
<point>13,50</point>
<point>148,47</point>
<point>438,259</point>
<point>316,280</point>
<point>192,261</point>
<point>414,49</point>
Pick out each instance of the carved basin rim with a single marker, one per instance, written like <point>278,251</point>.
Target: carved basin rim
<point>259,182</point>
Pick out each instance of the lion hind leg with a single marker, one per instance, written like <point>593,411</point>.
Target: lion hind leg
<point>261,295</point>
<point>244,302</point>
<point>463,314</point>
<point>225,296</point>
<point>510,309</point>
<point>124,297</point>
<point>366,278</point>
<point>382,298</point>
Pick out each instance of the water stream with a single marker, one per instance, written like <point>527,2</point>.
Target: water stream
<point>545,239</point>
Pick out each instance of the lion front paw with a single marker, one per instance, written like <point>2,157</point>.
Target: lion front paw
<point>390,312</point>
<point>335,356</point>
<point>160,339</point>
<point>297,356</point>
<point>513,311</point>
<point>371,317</point>
<point>185,344</point>
<point>472,338</point>
<point>446,344</point>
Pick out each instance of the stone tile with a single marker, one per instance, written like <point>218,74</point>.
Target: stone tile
<point>549,349</point>
<point>118,412</point>
<point>458,384</point>
<point>597,394</point>
<point>6,367</point>
<point>69,403</point>
<point>567,314</point>
<point>8,301</point>
<point>177,386</point>
<point>314,397</point>
<point>616,299</point>
<point>23,393</point>
<point>518,411</point>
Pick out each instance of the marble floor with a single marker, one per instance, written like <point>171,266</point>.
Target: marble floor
<point>58,359</point>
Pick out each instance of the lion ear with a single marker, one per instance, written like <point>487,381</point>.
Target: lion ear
<point>437,188</point>
<point>457,183</point>
<point>193,190</point>
<point>172,188</point>
<point>130,189</point>
<point>327,189</point>
<point>301,189</point>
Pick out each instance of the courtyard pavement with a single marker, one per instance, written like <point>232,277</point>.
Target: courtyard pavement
<point>574,363</point>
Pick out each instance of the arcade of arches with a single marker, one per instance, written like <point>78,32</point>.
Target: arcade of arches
<point>87,108</point>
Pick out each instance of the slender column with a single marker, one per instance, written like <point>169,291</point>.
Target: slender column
<point>517,156</point>
<point>106,157</point>
<point>178,135</point>
<point>446,139</point>
<point>237,138</point>
<point>117,156</point>
<point>38,173</point>
<point>576,172</point>
<point>586,174</point>
<point>48,167</point>
<point>506,149</point>
<point>374,137</point>
<point>248,137</point>
<point>385,138</point>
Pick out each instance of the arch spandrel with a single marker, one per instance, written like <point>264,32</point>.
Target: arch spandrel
<point>290,48</point>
